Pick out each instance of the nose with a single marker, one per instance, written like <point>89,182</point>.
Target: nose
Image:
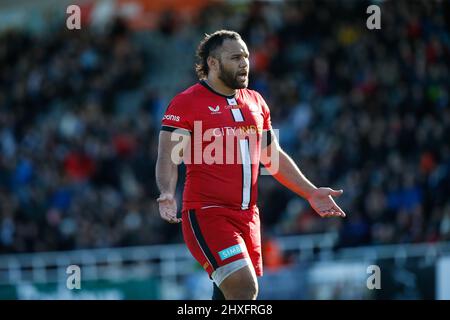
<point>244,63</point>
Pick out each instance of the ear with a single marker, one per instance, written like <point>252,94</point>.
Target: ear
<point>213,63</point>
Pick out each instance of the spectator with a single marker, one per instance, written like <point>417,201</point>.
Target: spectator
<point>366,110</point>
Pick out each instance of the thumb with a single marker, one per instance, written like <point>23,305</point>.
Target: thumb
<point>164,197</point>
<point>336,193</point>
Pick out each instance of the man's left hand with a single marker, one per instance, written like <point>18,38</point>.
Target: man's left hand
<point>322,202</point>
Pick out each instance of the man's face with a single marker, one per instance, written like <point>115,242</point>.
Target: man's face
<point>234,64</point>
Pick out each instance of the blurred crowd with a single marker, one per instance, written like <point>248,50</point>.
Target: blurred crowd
<point>364,110</point>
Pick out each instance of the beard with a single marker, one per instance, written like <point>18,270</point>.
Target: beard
<point>230,79</point>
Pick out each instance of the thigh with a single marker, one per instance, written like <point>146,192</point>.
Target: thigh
<point>215,241</point>
<point>241,284</point>
<point>252,238</point>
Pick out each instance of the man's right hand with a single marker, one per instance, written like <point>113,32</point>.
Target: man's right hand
<point>168,208</point>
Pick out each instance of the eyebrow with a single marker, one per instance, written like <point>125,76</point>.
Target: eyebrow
<point>239,54</point>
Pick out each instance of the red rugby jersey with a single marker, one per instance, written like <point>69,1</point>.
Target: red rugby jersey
<point>223,165</point>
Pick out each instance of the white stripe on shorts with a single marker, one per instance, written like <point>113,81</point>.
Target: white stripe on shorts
<point>223,272</point>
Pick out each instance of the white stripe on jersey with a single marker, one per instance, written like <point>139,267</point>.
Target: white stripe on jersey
<point>246,173</point>
<point>237,115</point>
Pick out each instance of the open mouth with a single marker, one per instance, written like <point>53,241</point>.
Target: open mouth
<point>242,76</point>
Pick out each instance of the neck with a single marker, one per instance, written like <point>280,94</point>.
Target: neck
<point>219,86</point>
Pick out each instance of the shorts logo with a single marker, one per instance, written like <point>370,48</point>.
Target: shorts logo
<point>230,252</point>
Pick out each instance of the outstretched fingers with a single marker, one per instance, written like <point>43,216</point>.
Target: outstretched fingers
<point>335,211</point>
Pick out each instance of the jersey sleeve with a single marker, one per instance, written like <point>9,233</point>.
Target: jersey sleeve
<point>267,125</point>
<point>177,116</point>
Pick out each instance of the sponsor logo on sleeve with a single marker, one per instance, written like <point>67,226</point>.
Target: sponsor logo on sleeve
<point>171,117</point>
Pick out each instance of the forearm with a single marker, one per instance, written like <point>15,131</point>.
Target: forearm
<point>289,175</point>
<point>166,176</point>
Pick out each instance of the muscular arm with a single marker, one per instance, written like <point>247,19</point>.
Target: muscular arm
<point>284,170</point>
<point>166,168</point>
<point>170,151</point>
<point>291,177</point>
